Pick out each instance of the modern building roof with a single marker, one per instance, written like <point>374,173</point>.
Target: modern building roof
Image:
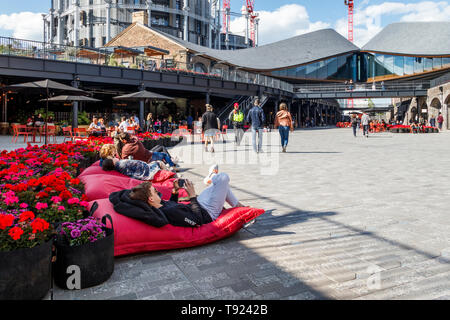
<point>412,38</point>
<point>291,52</point>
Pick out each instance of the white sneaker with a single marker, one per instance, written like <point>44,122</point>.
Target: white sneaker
<point>211,173</point>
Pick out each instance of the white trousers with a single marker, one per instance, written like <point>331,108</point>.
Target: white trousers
<point>213,198</point>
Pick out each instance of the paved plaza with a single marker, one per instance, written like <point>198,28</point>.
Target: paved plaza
<point>347,218</point>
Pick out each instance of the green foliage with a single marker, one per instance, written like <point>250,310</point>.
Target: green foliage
<point>44,114</point>
<point>83,118</point>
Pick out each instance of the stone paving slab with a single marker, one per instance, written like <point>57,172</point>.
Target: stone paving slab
<point>347,218</point>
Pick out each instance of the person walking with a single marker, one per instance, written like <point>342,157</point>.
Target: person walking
<point>149,123</point>
<point>365,120</point>
<point>440,120</point>
<point>236,117</point>
<point>433,121</point>
<point>284,123</point>
<point>256,118</point>
<point>354,122</point>
<point>210,126</point>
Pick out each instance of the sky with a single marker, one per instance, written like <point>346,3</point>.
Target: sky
<point>280,19</point>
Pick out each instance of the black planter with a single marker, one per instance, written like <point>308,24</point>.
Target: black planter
<point>95,260</point>
<point>25,274</point>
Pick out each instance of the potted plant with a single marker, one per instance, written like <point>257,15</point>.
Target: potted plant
<point>89,245</point>
<point>25,256</point>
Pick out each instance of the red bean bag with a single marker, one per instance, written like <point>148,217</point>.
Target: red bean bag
<point>100,186</point>
<point>95,169</point>
<point>132,236</point>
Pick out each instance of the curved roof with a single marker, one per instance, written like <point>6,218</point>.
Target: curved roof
<point>291,52</point>
<point>413,38</point>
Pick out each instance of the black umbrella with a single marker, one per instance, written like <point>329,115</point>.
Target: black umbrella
<point>141,96</point>
<point>71,99</point>
<point>47,86</point>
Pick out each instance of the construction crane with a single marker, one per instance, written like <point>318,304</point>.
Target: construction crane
<point>350,5</point>
<point>252,18</point>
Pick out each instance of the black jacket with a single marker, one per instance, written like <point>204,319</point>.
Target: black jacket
<point>172,212</point>
<point>209,121</point>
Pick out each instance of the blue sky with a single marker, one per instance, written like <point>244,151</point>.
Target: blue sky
<point>280,19</point>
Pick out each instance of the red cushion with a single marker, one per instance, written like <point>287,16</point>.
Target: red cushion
<point>132,236</point>
<point>163,175</point>
<point>100,186</point>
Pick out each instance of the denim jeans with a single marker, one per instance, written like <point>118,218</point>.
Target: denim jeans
<point>284,133</point>
<point>260,138</point>
<point>354,130</point>
<point>366,129</point>
<point>159,156</point>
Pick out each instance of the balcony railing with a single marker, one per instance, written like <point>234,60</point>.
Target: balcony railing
<point>105,56</point>
<point>341,87</point>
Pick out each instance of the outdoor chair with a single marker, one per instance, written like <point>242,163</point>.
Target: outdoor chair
<point>67,132</point>
<point>80,134</point>
<point>50,132</point>
<point>19,130</point>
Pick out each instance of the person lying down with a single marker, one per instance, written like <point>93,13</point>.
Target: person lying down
<point>144,203</point>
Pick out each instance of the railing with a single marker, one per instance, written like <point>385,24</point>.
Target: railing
<point>340,87</point>
<point>106,56</point>
<point>441,80</point>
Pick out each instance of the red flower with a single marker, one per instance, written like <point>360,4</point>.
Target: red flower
<point>15,233</point>
<point>66,195</point>
<point>6,220</point>
<point>26,215</point>
<point>39,225</point>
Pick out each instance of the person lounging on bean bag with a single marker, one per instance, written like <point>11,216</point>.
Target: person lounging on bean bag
<point>101,185</point>
<point>95,169</point>
<point>133,236</point>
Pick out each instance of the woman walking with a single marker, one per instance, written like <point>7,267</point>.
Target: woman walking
<point>354,123</point>
<point>211,125</point>
<point>149,123</point>
<point>284,123</point>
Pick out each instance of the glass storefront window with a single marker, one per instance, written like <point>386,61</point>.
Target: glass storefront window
<point>437,63</point>
<point>418,65</point>
<point>311,71</point>
<point>428,64</point>
<point>291,72</point>
<point>321,70</point>
<point>332,68</point>
<point>446,62</point>
<point>398,65</point>
<point>301,72</point>
<point>388,64</point>
<point>409,65</point>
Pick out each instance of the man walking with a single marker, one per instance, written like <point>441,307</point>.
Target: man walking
<point>256,118</point>
<point>236,117</point>
<point>365,119</point>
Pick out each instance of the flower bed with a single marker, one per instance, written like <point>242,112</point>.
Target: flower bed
<point>39,191</point>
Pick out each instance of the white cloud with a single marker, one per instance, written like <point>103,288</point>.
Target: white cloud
<point>368,20</point>
<point>23,25</point>
<point>293,19</point>
<point>285,22</point>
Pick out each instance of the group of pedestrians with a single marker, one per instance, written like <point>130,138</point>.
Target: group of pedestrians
<point>255,117</point>
<point>356,122</point>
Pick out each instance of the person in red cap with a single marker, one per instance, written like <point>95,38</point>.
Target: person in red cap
<point>237,118</point>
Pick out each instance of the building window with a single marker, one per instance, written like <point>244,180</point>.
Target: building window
<point>428,64</point>
<point>103,41</point>
<point>437,63</point>
<point>398,65</point>
<point>409,65</point>
<point>418,65</point>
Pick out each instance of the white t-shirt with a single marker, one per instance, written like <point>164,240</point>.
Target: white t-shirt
<point>123,126</point>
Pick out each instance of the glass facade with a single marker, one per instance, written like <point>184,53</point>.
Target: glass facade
<point>336,68</point>
<point>369,66</point>
<point>390,66</point>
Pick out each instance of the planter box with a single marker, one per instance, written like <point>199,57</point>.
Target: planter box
<point>95,260</point>
<point>25,274</point>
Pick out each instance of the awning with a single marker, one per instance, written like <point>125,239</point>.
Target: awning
<point>124,51</point>
<point>153,51</point>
